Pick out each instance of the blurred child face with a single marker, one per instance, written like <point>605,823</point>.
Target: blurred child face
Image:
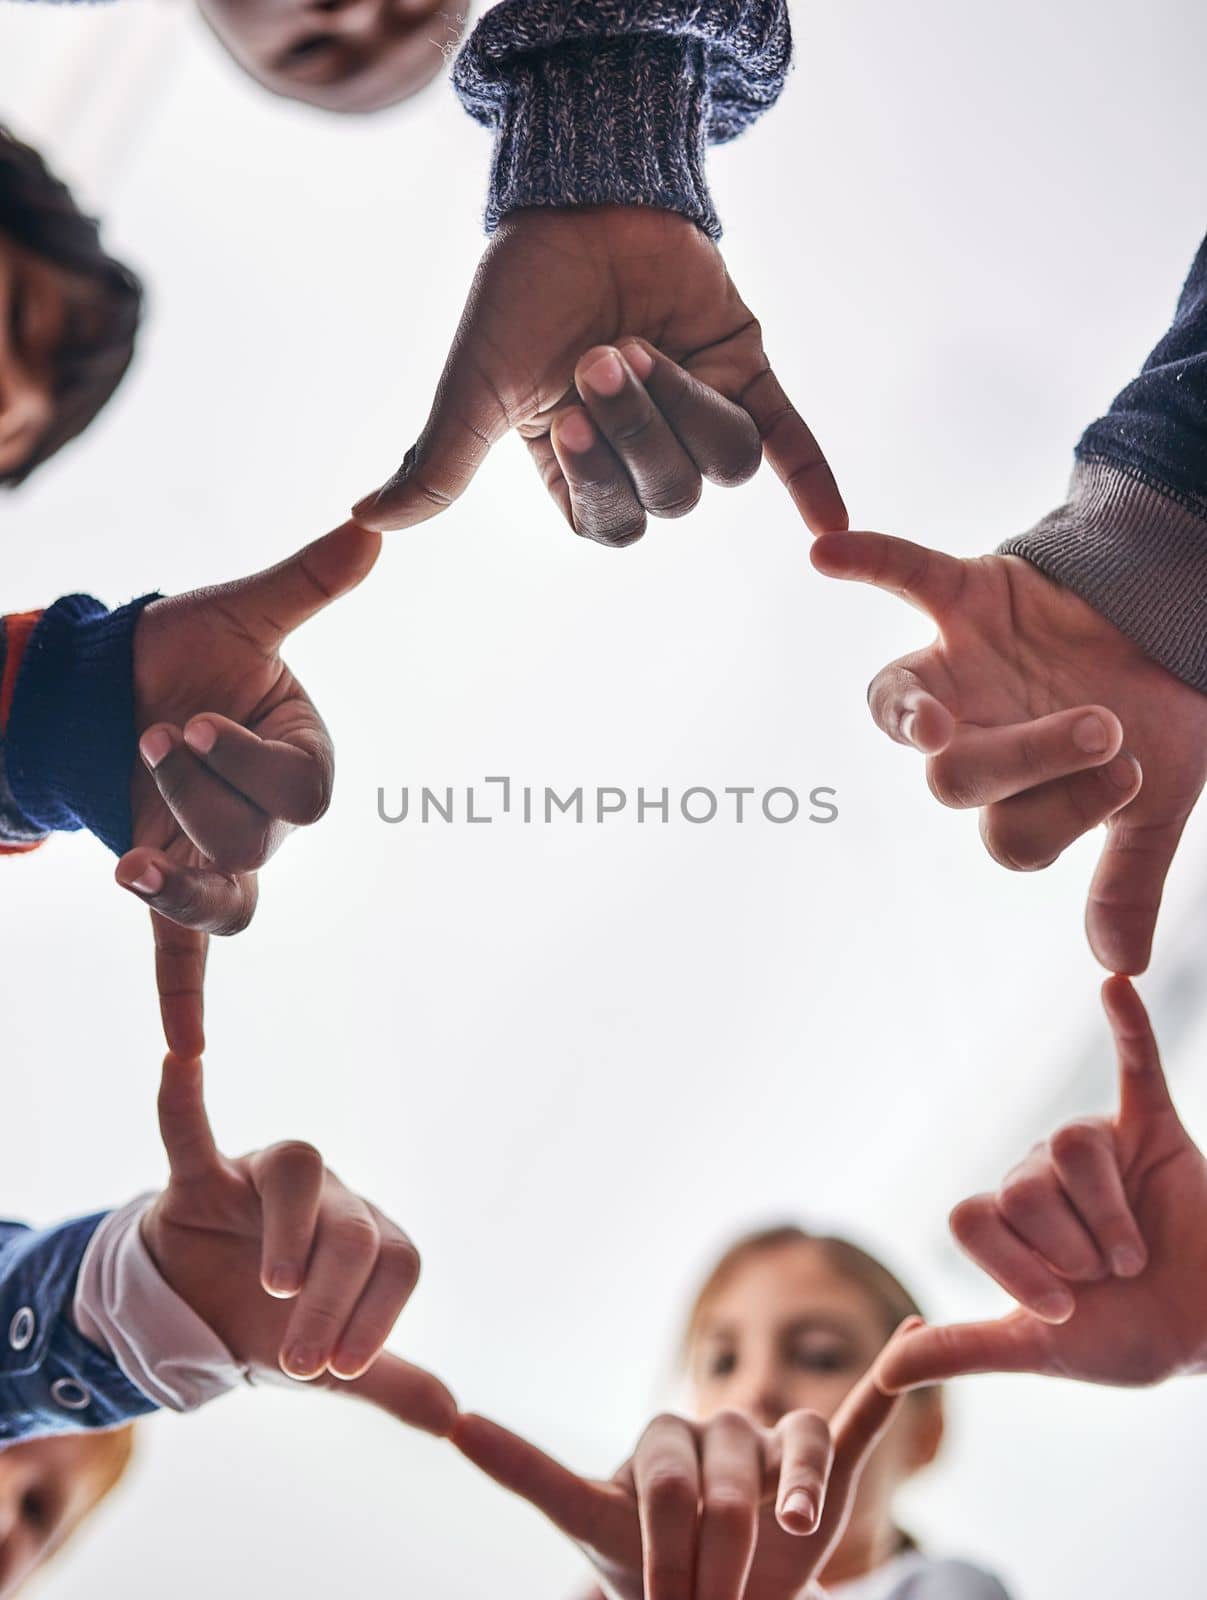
<point>33,318</point>
<point>344,55</point>
<point>788,1331</point>
<point>46,1487</point>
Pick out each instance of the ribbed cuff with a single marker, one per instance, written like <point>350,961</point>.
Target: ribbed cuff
<point>620,121</point>
<point>70,744</point>
<point>1137,554</point>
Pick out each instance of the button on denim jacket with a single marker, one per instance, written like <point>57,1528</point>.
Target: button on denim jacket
<point>52,1379</point>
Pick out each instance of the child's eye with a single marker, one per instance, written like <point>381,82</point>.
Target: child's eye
<point>35,1508</point>
<point>821,1358</point>
<point>722,1364</point>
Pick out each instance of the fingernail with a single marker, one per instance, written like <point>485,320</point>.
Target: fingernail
<point>575,432</point>
<point>346,1362</point>
<point>1127,1261</point>
<point>149,881</point>
<point>283,1280</point>
<point>1055,1307</point>
<point>154,746</point>
<point>908,723</point>
<point>1089,734</point>
<point>639,358</point>
<point>1122,773</point>
<point>606,375</point>
<point>800,1504</point>
<point>201,736</point>
<point>302,1361</point>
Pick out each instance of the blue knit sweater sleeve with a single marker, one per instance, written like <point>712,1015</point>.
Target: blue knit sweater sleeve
<point>1132,537</point>
<point>52,1379</point>
<point>68,746</point>
<point>613,102</point>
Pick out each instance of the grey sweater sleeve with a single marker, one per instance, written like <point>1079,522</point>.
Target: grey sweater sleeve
<point>951,1580</point>
<point>1131,538</point>
<point>613,102</point>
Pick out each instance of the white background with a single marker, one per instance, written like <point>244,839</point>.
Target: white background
<point>574,1061</point>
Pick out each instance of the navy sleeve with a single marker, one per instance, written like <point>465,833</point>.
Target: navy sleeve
<point>69,745</point>
<point>612,102</point>
<point>52,1380</point>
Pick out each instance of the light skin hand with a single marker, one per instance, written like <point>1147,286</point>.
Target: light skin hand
<point>294,1273</point>
<point>233,755</point>
<point>1034,709</point>
<point>554,292</point>
<point>1101,1235</point>
<point>716,1510</point>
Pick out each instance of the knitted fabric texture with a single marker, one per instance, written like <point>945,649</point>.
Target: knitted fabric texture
<point>613,102</point>
<point>70,742</point>
<point>1132,537</point>
<point>1137,554</point>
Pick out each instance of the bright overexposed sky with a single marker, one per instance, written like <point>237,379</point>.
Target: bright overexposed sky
<point>573,1060</point>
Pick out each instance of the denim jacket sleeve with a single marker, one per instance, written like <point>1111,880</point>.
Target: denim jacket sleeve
<point>52,1380</point>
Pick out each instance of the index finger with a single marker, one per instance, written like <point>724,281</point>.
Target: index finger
<point>929,579</point>
<point>1143,1089</point>
<point>565,1498</point>
<point>794,454</point>
<point>184,1126</point>
<point>406,1392</point>
<point>180,957</point>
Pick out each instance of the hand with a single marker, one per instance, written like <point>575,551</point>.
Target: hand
<point>551,285</point>
<point>293,1272</point>
<point>233,755</point>
<point>721,1510</point>
<point>1036,709</point>
<point>1101,1235</point>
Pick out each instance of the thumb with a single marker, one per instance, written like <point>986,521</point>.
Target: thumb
<point>184,1126</point>
<point>925,1355</point>
<point>272,603</point>
<point>1125,895</point>
<point>407,1393</point>
<point>1143,1090</point>
<point>466,419</point>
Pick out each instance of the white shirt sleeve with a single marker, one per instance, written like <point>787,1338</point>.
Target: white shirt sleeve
<point>123,1306</point>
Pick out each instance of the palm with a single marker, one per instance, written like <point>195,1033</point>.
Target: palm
<point>1014,649</point>
<point>205,1235</point>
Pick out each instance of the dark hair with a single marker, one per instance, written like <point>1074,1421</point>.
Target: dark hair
<point>37,211</point>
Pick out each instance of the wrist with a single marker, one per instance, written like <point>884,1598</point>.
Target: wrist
<point>70,740</point>
<point>603,121</point>
<point>1135,552</point>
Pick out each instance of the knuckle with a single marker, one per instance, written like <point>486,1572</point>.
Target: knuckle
<point>1011,848</point>
<point>727,1505</point>
<point>238,919</point>
<point>951,787</point>
<point>965,1219</point>
<point>356,1235</point>
<point>668,1489</point>
<point>1023,1198</point>
<point>297,1154</point>
<point>401,1261</point>
<point>677,504</point>
<point>1072,1144</point>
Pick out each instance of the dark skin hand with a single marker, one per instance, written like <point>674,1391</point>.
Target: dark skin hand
<point>1033,708</point>
<point>233,756</point>
<point>554,293</point>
